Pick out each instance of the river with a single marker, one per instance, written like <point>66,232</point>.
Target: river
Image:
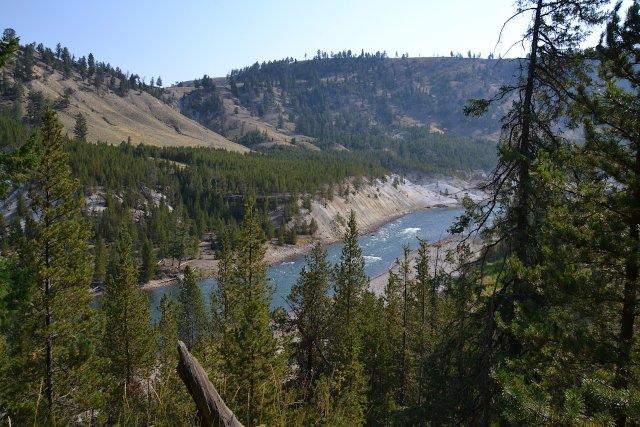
<point>380,249</point>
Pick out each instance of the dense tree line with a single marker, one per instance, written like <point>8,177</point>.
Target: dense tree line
<point>419,150</point>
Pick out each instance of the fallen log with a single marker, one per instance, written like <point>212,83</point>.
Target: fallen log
<point>211,408</point>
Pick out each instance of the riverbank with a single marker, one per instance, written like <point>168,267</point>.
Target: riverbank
<point>375,204</point>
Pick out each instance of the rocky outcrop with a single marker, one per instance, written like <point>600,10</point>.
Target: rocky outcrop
<point>379,201</point>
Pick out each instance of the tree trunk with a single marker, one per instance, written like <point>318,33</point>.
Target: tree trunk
<point>211,408</point>
<point>523,240</point>
<point>630,290</point>
<point>524,185</point>
<point>48,337</point>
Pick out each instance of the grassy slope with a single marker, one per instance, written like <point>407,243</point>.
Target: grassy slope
<point>112,118</point>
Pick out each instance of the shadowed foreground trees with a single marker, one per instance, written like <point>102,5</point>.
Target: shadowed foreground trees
<point>568,244</point>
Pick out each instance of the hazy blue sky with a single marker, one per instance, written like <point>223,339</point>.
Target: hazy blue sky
<point>183,40</point>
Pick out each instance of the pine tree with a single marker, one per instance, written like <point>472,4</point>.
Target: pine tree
<point>148,261</point>
<point>380,355</point>
<point>612,132</point>
<point>98,79</point>
<point>310,306</point>
<point>128,340</point>
<point>82,67</point>
<point>219,299</point>
<point>17,165</point>
<point>179,235</point>
<point>405,269</point>
<point>192,315</point>
<point>91,62</point>
<point>57,332</point>
<point>253,366</point>
<point>8,46</point>
<point>80,128</point>
<point>350,282</point>
<point>425,295</point>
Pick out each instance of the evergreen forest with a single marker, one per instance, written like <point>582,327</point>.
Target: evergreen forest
<point>538,327</point>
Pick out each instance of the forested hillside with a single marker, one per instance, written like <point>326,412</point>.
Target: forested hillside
<point>404,111</point>
<point>347,98</point>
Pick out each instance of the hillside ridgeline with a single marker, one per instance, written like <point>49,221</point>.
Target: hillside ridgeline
<point>345,99</point>
<point>116,106</point>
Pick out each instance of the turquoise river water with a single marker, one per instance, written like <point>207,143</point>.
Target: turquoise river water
<point>380,248</point>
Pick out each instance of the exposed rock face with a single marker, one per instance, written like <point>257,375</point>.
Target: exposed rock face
<point>377,203</point>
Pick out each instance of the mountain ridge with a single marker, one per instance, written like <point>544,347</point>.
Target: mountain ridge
<point>112,116</point>
<point>326,100</point>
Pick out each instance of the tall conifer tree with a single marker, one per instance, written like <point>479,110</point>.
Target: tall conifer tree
<point>192,315</point>
<point>590,272</point>
<point>219,298</point>
<point>530,135</point>
<point>129,339</point>
<point>148,261</point>
<point>58,329</point>
<point>350,282</point>
<point>253,366</point>
<point>310,305</point>
<point>80,128</point>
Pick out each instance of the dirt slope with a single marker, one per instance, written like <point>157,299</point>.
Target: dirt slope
<point>112,118</point>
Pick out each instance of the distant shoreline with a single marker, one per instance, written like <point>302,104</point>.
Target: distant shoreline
<point>280,254</point>
<point>377,204</point>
